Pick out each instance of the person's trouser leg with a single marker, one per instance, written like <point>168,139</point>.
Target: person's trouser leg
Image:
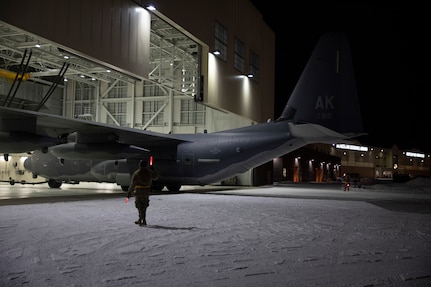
<point>138,207</point>
<point>145,204</point>
<point>141,203</point>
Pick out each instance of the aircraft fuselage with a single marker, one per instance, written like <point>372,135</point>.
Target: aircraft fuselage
<point>210,158</point>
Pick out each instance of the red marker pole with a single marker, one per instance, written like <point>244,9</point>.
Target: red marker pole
<point>126,200</point>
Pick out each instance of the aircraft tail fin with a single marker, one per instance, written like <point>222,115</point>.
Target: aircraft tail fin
<point>326,91</point>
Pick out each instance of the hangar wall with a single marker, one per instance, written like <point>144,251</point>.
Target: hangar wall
<point>252,99</point>
<point>110,33</point>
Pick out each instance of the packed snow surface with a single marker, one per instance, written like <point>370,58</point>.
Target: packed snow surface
<point>269,236</point>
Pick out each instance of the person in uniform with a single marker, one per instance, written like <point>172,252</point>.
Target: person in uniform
<point>141,184</point>
<point>346,182</point>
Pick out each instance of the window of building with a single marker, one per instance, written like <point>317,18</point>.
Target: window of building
<point>254,66</point>
<point>150,108</point>
<point>84,92</point>
<point>220,44</point>
<point>192,113</point>
<point>118,114</point>
<point>117,110</point>
<point>84,101</point>
<point>239,55</point>
<point>118,91</point>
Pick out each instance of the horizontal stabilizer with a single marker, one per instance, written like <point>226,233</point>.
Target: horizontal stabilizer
<point>317,133</point>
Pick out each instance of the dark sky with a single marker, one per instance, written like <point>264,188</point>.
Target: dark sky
<point>391,58</point>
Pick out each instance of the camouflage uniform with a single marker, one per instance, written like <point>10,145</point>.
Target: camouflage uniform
<point>141,183</point>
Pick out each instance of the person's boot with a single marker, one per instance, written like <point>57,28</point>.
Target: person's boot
<point>143,222</point>
<point>139,221</point>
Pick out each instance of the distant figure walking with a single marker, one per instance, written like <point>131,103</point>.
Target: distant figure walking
<point>141,184</point>
<point>346,182</point>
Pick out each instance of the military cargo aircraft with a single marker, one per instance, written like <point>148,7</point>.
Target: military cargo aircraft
<point>323,108</point>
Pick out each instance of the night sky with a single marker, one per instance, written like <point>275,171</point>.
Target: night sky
<point>391,58</point>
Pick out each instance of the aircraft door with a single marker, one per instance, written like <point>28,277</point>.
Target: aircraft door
<point>188,165</point>
<point>75,165</point>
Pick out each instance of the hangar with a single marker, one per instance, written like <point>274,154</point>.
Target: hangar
<point>202,66</point>
<point>190,68</point>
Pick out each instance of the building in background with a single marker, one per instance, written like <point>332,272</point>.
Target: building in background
<point>328,163</point>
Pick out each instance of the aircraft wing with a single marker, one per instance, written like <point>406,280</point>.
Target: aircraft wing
<point>36,124</point>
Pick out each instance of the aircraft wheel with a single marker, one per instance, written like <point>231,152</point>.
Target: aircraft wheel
<point>174,187</point>
<point>124,188</point>
<point>52,183</point>
<point>157,187</point>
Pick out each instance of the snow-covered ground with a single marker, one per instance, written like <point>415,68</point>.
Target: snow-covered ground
<point>220,239</point>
